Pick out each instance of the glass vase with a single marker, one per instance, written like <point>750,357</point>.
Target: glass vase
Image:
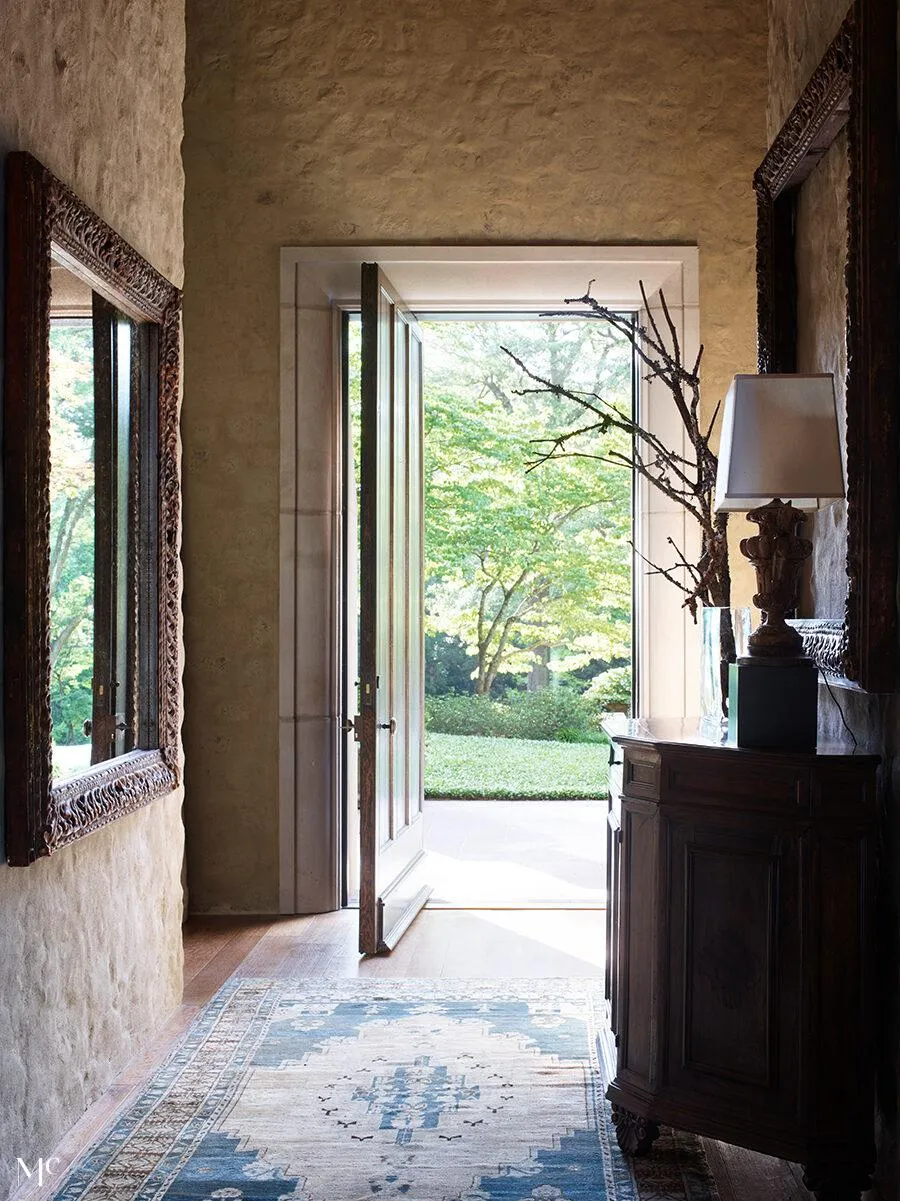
<point>724,637</point>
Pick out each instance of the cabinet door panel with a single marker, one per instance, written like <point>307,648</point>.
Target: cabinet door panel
<point>613,907</point>
<point>840,870</point>
<point>637,1009</point>
<point>613,886</point>
<point>734,967</point>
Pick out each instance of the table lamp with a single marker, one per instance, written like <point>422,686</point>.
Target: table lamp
<point>779,455</point>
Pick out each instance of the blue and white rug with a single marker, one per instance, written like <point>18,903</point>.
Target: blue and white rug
<point>347,1090</point>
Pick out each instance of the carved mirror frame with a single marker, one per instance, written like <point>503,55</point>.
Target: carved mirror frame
<point>44,216</point>
<point>853,86</point>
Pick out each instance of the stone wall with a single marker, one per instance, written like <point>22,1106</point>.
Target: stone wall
<point>397,121</point>
<point>90,952</point>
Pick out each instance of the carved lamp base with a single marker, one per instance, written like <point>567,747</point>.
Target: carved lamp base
<point>777,553</point>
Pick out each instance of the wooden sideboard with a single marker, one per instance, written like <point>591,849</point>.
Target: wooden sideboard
<point>740,944</point>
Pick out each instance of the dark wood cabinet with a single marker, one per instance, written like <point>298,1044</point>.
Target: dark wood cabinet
<point>739,976</point>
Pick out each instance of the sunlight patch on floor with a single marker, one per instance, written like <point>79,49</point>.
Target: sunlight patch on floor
<point>516,853</point>
<point>562,937</point>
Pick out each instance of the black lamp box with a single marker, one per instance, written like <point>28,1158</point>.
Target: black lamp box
<point>773,705</point>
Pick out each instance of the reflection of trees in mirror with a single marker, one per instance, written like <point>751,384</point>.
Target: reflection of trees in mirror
<point>71,540</point>
<point>531,572</point>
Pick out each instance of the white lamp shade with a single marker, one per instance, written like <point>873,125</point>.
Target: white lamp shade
<point>780,440</point>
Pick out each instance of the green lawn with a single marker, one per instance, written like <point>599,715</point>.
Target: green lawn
<point>459,765</point>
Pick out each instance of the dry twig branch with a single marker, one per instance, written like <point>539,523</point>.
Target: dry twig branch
<point>689,480</point>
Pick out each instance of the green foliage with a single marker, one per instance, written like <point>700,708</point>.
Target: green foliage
<point>521,565</point>
<point>611,691</point>
<point>556,714</point>
<point>71,527</point>
<point>448,665</point>
<point>466,715</point>
<point>552,714</point>
<point>512,768</point>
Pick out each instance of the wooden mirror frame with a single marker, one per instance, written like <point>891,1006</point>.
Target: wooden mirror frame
<point>42,214</point>
<point>853,86</point>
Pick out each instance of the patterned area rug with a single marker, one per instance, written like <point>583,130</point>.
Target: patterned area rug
<point>347,1090</point>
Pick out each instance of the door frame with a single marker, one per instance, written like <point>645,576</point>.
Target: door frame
<point>317,286</point>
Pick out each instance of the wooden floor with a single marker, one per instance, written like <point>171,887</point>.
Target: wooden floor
<point>448,943</point>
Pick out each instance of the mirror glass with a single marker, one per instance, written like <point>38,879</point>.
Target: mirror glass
<point>91,514</point>
<point>93,390</point>
<point>820,249</point>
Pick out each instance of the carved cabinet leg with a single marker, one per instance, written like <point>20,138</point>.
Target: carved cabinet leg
<point>635,1135</point>
<point>837,1181</point>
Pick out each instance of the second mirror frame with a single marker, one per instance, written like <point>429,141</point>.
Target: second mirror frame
<point>849,88</point>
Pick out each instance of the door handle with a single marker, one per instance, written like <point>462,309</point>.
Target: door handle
<point>119,727</point>
<point>388,725</point>
<point>347,725</point>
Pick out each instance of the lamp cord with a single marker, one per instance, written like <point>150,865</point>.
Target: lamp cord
<point>840,710</point>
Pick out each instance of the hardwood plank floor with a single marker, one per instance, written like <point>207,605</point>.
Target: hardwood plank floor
<point>440,943</point>
<point>444,942</point>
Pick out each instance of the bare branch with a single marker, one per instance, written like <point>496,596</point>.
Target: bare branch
<point>611,417</point>
<point>676,348</point>
<point>666,573</point>
<point>686,563</point>
<point>712,423</point>
<point>649,312</point>
<point>685,480</point>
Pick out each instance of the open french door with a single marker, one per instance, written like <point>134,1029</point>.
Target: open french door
<point>390,724</point>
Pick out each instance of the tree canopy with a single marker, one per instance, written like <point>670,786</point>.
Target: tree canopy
<point>524,565</point>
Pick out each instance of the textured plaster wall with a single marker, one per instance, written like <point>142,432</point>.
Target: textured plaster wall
<point>90,955</point>
<point>799,33</point>
<point>400,121</point>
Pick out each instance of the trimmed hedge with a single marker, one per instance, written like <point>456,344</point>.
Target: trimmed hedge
<point>550,715</point>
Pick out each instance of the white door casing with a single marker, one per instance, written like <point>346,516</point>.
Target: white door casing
<point>317,283</point>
